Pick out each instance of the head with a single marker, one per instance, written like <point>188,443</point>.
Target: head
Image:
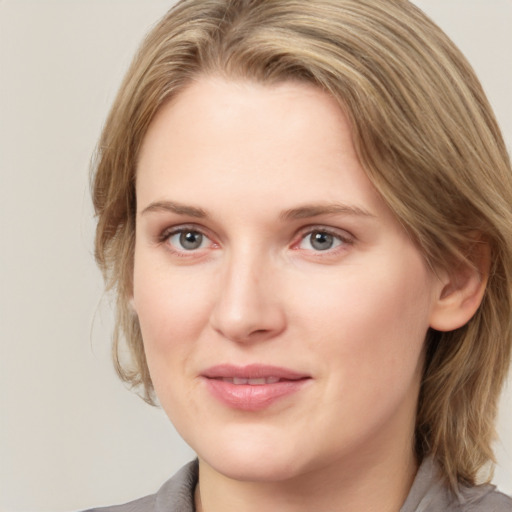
<point>424,134</point>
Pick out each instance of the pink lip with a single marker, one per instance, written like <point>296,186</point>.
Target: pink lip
<point>281,382</point>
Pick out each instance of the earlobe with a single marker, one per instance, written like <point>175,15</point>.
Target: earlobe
<point>461,290</point>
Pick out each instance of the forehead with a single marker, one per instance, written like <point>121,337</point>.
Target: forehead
<point>247,111</point>
<point>255,142</point>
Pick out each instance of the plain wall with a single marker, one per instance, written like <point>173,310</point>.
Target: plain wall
<point>71,435</point>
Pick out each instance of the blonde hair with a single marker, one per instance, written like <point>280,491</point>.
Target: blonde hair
<point>424,133</point>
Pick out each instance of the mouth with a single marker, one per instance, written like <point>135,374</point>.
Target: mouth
<point>253,387</point>
<point>258,373</point>
<point>238,381</point>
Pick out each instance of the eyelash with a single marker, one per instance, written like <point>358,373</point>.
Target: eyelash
<point>343,238</point>
<point>169,233</point>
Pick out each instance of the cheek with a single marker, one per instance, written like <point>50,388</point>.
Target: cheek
<point>172,312</point>
<point>172,309</point>
<point>372,347</point>
<point>372,322</point>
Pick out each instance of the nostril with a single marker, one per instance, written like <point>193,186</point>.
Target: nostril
<point>244,313</point>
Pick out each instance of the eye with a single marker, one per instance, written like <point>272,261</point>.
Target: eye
<point>187,240</point>
<point>322,240</point>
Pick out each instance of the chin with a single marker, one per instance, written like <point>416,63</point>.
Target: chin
<point>253,460</point>
<point>261,469</point>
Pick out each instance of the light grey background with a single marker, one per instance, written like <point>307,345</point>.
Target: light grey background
<point>71,436</point>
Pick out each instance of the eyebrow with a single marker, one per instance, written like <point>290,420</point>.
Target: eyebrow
<point>301,212</point>
<point>178,208</point>
<point>315,210</point>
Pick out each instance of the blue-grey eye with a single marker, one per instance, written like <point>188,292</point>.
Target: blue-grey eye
<point>187,240</point>
<point>319,240</point>
<point>191,240</point>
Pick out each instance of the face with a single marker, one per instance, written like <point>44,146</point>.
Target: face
<point>283,308</point>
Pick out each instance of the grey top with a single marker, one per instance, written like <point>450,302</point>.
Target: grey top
<point>428,494</point>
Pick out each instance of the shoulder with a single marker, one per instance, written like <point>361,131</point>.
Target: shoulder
<point>175,494</point>
<point>483,498</point>
<point>146,504</point>
<point>431,493</point>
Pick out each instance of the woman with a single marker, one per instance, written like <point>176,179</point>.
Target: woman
<point>304,209</point>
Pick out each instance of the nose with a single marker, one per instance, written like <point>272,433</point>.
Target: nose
<point>248,306</point>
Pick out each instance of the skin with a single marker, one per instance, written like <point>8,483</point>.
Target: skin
<point>247,161</point>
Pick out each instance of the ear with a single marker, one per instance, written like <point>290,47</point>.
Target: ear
<point>461,289</point>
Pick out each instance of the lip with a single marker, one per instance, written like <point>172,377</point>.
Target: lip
<point>270,384</point>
